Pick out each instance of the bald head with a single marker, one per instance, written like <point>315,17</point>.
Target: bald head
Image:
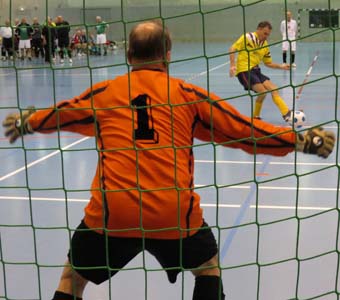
<point>289,15</point>
<point>149,41</point>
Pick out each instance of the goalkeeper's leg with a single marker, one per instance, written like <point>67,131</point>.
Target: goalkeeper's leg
<point>71,285</point>
<point>208,283</point>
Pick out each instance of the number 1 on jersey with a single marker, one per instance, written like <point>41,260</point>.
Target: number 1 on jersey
<point>145,126</point>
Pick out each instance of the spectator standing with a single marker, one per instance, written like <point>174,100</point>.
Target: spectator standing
<point>6,33</point>
<point>49,40</point>
<point>101,41</point>
<point>37,46</point>
<point>63,36</point>
<point>24,31</point>
<point>16,37</point>
<point>289,31</point>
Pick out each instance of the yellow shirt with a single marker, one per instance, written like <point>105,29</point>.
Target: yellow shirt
<point>251,52</point>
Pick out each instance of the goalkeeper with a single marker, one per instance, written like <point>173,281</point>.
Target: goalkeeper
<point>252,49</point>
<point>146,121</point>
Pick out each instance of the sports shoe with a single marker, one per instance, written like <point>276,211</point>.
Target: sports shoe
<point>61,61</point>
<point>293,65</point>
<point>288,116</point>
<point>257,118</point>
<point>70,60</point>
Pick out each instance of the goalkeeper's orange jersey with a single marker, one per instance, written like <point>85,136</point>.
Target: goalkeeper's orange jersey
<point>144,123</point>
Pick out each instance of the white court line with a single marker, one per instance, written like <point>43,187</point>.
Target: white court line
<point>209,70</point>
<point>42,159</point>
<point>286,188</point>
<point>196,161</point>
<point>279,207</point>
<point>220,205</point>
<point>250,162</point>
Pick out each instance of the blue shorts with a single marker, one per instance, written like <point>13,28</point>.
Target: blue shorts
<point>97,257</point>
<point>249,78</point>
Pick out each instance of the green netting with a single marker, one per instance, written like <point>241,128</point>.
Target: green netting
<point>287,250</point>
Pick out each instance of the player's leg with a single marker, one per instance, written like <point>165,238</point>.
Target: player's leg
<point>10,48</point>
<point>34,48</point>
<point>28,49</point>
<point>94,257</point>
<point>285,47</point>
<point>3,51</point>
<point>61,45</point>
<point>69,51</point>
<point>252,80</point>
<point>71,284</point>
<point>104,42</point>
<point>208,283</point>
<point>292,57</point>
<point>259,88</point>
<point>197,253</point>
<point>278,101</point>
<point>284,57</point>
<point>6,48</point>
<point>21,49</point>
<point>98,44</point>
<point>48,52</point>
<point>16,46</point>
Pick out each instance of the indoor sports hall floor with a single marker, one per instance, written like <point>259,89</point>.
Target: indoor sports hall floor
<point>287,246</point>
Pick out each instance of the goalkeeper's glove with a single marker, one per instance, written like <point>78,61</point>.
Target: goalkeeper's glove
<point>17,124</point>
<point>316,141</point>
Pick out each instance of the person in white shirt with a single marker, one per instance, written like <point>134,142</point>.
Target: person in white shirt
<point>289,27</point>
<point>7,41</point>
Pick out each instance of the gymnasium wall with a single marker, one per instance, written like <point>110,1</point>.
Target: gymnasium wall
<point>185,19</point>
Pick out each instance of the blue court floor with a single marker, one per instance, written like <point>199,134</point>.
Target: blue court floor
<point>276,219</point>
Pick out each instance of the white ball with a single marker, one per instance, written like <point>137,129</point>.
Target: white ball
<point>297,118</point>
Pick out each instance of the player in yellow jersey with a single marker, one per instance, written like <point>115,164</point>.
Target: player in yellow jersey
<point>143,195</point>
<point>252,49</point>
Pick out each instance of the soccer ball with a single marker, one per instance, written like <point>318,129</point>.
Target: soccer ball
<point>297,118</point>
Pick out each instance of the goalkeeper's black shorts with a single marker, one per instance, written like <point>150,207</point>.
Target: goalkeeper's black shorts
<point>97,257</point>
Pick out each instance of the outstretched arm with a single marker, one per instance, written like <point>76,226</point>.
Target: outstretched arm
<point>73,115</point>
<point>220,122</point>
<point>277,66</point>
